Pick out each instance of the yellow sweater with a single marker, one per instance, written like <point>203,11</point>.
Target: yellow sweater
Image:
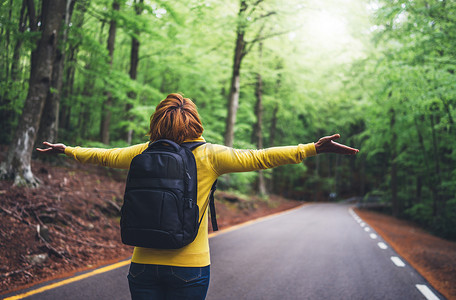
<point>211,162</point>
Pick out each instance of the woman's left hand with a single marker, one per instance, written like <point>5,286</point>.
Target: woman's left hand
<point>54,148</point>
<point>327,145</point>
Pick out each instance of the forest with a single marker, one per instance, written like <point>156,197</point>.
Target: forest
<point>263,73</point>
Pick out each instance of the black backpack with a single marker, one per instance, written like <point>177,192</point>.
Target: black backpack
<point>160,203</point>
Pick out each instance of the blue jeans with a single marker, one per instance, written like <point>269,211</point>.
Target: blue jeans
<point>168,282</point>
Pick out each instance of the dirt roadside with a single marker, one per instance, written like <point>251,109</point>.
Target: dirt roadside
<point>434,258</point>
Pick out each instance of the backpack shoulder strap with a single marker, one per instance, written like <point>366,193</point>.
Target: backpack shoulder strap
<point>192,145</point>
<point>211,204</point>
<point>212,207</point>
<point>163,143</point>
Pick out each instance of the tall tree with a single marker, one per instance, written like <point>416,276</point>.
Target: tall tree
<point>106,108</point>
<point>239,53</point>
<point>134,59</point>
<point>393,172</point>
<point>248,19</point>
<point>70,65</point>
<point>258,127</point>
<point>50,119</point>
<point>17,164</point>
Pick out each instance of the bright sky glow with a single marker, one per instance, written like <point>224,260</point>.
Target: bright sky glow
<point>327,29</point>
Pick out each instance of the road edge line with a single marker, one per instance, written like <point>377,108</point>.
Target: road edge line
<point>128,261</point>
<point>423,288</point>
<point>70,280</point>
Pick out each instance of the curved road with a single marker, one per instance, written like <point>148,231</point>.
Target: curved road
<point>318,251</point>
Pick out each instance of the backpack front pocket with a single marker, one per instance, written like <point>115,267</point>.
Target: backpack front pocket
<point>151,209</point>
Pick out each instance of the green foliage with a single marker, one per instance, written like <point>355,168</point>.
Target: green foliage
<point>383,76</point>
<point>408,114</point>
<point>443,225</point>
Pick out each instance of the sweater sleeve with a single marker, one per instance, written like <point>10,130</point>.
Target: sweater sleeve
<point>229,160</point>
<point>119,158</point>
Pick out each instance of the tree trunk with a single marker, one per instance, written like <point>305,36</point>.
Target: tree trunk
<point>33,23</point>
<point>435,187</point>
<point>134,59</point>
<point>68,86</point>
<point>430,179</point>
<point>447,107</point>
<point>337,175</point>
<point>362,184</point>
<point>258,127</point>
<point>273,127</point>
<point>272,133</point>
<point>419,186</point>
<point>317,175</point>
<point>87,92</point>
<point>84,118</point>
<point>259,135</point>
<point>5,60</point>
<point>17,165</point>
<point>18,45</point>
<point>49,125</point>
<point>106,108</point>
<point>68,89</point>
<point>233,98</point>
<point>393,172</point>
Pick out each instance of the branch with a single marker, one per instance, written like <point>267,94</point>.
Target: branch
<point>259,38</point>
<point>265,37</point>
<point>24,270</point>
<point>59,254</point>
<point>16,216</point>
<point>249,45</point>
<point>258,2</point>
<point>264,16</point>
<point>254,6</point>
<point>100,16</point>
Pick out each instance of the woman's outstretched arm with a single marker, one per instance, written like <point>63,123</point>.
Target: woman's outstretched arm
<point>119,158</point>
<point>229,160</point>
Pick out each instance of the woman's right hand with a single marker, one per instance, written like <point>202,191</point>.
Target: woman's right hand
<point>53,148</point>
<point>327,145</point>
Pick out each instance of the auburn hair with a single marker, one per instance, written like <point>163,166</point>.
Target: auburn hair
<point>176,118</point>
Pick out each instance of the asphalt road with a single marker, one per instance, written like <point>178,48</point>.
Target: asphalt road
<point>319,251</point>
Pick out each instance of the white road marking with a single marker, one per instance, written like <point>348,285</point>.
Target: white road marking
<point>382,245</point>
<point>397,261</point>
<point>426,292</point>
